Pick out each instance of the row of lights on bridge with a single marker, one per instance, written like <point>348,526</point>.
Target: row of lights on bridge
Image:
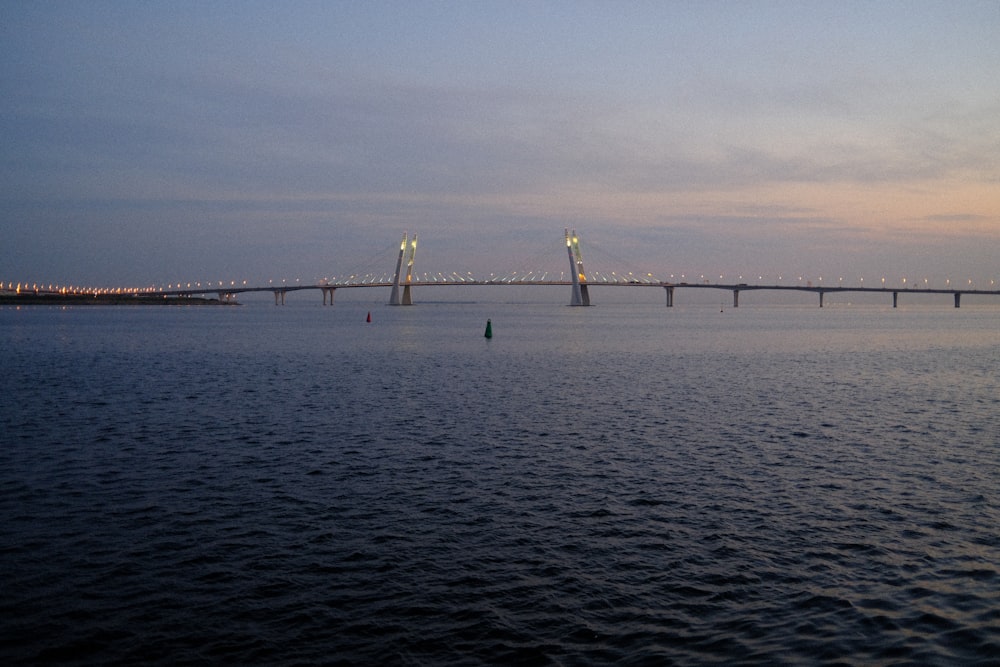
<point>840,281</point>
<point>76,289</point>
<point>528,276</point>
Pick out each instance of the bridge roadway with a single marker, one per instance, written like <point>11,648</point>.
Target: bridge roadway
<point>328,289</point>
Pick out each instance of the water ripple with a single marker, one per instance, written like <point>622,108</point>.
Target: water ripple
<point>544,503</point>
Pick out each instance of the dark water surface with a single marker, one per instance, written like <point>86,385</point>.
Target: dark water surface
<point>620,484</point>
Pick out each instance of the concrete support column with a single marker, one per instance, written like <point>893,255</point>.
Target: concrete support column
<point>821,299</point>
<point>670,296</point>
<point>958,299</point>
<point>329,290</point>
<point>895,299</point>
<point>736,298</point>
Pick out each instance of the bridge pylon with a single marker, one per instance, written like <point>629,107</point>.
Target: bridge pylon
<point>394,296</point>
<point>407,299</point>
<point>581,296</point>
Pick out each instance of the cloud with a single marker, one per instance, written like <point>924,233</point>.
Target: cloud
<point>957,217</point>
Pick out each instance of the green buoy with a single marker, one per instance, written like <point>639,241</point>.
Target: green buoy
<point>489,329</point>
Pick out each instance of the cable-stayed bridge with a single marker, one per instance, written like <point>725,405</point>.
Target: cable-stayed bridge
<point>404,280</point>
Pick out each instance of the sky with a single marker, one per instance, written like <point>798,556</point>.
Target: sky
<point>147,143</point>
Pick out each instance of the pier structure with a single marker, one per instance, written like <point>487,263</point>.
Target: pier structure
<point>328,291</point>
<point>822,291</point>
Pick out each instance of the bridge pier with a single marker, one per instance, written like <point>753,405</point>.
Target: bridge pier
<point>736,298</point>
<point>280,292</point>
<point>895,299</point>
<point>329,290</point>
<point>958,299</point>
<point>821,298</point>
<point>670,296</point>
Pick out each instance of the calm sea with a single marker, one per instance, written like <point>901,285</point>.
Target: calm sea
<point>619,484</point>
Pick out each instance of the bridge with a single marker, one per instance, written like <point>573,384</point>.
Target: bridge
<point>402,284</point>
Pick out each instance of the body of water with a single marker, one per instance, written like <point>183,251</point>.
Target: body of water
<point>619,484</point>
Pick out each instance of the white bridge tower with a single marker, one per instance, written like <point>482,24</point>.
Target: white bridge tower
<point>406,299</point>
<point>581,297</point>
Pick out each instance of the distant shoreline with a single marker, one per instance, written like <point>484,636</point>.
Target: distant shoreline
<point>33,299</point>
